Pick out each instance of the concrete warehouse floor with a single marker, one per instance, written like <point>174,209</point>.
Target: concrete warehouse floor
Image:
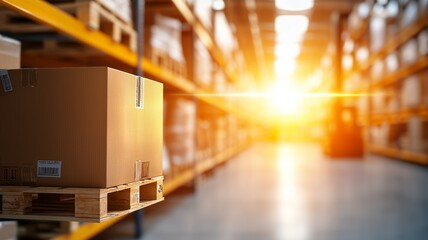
<point>292,191</point>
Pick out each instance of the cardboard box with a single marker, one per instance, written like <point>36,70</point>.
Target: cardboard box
<point>411,92</point>
<point>8,230</point>
<point>10,53</point>
<point>79,127</point>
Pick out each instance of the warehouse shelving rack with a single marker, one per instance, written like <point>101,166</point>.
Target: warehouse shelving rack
<point>45,13</point>
<point>392,79</point>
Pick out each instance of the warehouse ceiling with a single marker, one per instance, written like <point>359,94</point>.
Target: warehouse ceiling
<point>254,22</point>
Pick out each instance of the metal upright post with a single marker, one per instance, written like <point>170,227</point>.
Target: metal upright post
<point>139,25</point>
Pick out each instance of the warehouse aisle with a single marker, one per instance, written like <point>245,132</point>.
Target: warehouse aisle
<point>291,191</point>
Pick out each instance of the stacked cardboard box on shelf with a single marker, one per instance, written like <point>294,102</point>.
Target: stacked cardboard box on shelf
<point>377,70</point>
<point>180,120</point>
<point>392,104</point>
<point>391,63</point>
<point>358,15</point>
<point>220,134</point>
<point>410,14</point>
<point>411,92</point>
<point>424,76</point>
<point>409,52</point>
<point>203,10</point>
<point>220,84</point>
<point>413,138</point>
<point>166,43</point>
<point>79,127</point>
<point>378,102</point>
<point>379,135</point>
<point>223,34</point>
<point>423,42</point>
<point>204,139</point>
<point>377,33</point>
<point>203,66</point>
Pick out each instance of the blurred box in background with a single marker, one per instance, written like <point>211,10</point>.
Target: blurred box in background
<point>180,120</point>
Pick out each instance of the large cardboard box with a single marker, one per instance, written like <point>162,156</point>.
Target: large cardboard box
<point>79,127</point>
<point>10,53</point>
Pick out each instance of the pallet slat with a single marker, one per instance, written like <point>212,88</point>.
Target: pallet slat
<point>78,204</point>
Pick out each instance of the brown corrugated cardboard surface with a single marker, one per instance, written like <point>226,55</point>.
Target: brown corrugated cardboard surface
<point>87,119</point>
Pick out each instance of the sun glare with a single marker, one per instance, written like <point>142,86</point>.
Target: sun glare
<point>291,24</point>
<point>285,99</point>
<point>294,5</point>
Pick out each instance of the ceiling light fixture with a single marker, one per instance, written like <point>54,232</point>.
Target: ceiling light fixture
<point>294,5</point>
<point>291,24</point>
<point>284,67</point>
<point>287,49</point>
<point>218,5</point>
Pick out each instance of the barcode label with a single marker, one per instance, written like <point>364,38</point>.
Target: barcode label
<point>5,81</point>
<point>48,168</point>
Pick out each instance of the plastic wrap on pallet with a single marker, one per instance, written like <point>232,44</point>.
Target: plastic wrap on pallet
<point>410,14</point>
<point>10,53</point>
<point>423,42</point>
<point>409,52</point>
<point>203,65</point>
<point>203,11</point>
<point>377,33</point>
<point>391,63</point>
<point>411,92</point>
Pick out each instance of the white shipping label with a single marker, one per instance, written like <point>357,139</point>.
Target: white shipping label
<point>5,81</point>
<point>49,168</point>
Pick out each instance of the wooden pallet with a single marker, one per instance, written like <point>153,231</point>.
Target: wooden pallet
<point>89,13</point>
<point>162,59</point>
<point>78,204</point>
